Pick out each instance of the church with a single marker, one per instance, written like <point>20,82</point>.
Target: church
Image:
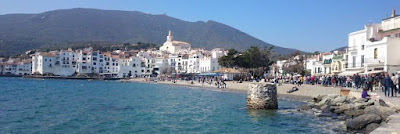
<point>173,47</point>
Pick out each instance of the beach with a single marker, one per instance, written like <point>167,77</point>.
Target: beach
<point>305,92</point>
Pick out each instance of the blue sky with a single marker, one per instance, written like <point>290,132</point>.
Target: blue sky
<point>308,25</point>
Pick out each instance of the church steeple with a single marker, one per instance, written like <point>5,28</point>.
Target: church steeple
<point>169,37</point>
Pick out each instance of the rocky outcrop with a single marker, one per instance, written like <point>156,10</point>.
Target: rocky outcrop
<point>262,96</point>
<point>361,115</point>
<point>362,121</point>
<point>381,111</point>
<point>371,127</point>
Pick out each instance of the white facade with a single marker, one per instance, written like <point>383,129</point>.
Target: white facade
<point>173,55</point>
<point>375,48</point>
<point>172,46</point>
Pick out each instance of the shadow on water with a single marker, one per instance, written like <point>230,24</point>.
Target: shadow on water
<point>261,114</point>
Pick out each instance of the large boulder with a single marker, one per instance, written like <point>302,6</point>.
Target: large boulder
<point>344,107</point>
<point>318,98</point>
<point>360,100</point>
<point>338,100</point>
<point>381,111</point>
<point>325,100</point>
<point>371,127</point>
<point>362,105</point>
<point>354,113</point>
<point>262,96</point>
<point>362,121</point>
<point>382,103</point>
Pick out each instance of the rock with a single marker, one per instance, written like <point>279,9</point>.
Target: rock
<point>339,99</point>
<point>323,114</point>
<point>360,100</point>
<point>262,96</point>
<point>371,127</point>
<point>382,103</point>
<point>362,121</point>
<point>342,108</point>
<point>343,117</point>
<point>354,113</point>
<point>318,98</point>
<point>305,107</point>
<point>372,100</point>
<point>362,105</point>
<point>327,109</point>
<point>382,111</point>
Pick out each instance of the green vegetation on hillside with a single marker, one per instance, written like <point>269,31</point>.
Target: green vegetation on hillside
<point>22,32</point>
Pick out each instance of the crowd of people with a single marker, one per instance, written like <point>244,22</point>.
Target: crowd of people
<point>389,84</point>
<point>216,81</point>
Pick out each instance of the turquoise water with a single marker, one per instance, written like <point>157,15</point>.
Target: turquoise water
<point>78,106</point>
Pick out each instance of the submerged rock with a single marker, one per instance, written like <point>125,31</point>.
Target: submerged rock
<point>262,96</point>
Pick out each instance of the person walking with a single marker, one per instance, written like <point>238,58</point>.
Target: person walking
<point>394,80</point>
<point>387,83</point>
<point>370,81</point>
<point>357,80</point>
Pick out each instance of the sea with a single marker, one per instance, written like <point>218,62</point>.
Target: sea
<point>82,106</point>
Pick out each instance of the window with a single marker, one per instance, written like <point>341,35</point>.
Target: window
<point>362,60</point>
<point>354,61</point>
<point>362,47</point>
<point>376,53</point>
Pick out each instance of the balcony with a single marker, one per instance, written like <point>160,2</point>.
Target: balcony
<point>353,48</point>
<point>378,60</point>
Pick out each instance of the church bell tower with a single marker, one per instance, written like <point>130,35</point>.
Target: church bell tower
<point>169,37</point>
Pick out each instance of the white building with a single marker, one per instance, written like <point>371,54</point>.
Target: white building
<point>172,46</point>
<point>375,48</point>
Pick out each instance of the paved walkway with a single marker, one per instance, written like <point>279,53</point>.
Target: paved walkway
<point>393,126</point>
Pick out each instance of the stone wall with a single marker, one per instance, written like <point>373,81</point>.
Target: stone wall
<point>262,96</point>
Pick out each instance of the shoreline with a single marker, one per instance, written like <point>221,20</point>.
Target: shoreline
<point>242,88</point>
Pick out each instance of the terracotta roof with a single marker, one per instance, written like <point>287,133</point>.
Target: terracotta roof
<point>46,54</point>
<point>180,43</point>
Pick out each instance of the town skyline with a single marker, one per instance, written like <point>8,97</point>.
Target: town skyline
<point>272,29</point>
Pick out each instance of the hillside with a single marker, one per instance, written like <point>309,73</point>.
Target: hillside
<point>21,32</point>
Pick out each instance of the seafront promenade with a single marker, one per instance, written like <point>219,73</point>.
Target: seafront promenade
<point>305,92</point>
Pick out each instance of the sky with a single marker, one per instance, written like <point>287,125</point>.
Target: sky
<point>307,25</point>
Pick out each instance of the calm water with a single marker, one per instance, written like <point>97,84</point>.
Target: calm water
<point>77,106</point>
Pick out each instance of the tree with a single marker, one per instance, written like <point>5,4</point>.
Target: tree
<point>257,61</point>
<point>295,64</point>
<point>229,59</point>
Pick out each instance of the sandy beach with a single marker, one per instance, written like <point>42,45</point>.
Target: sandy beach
<point>306,92</point>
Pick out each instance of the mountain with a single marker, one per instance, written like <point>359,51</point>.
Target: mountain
<point>21,32</point>
<point>340,49</point>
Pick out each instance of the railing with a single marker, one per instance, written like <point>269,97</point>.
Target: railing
<point>353,48</point>
<point>374,60</point>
